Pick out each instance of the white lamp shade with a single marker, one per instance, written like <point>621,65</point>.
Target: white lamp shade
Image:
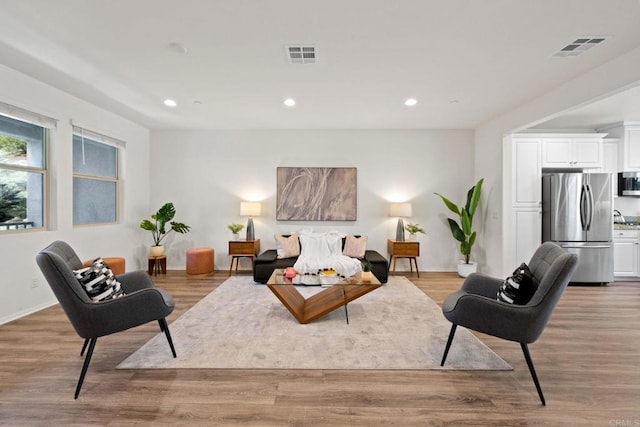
<point>250,208</point>
<point>400,210</point>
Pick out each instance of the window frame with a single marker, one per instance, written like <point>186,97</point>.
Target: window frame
<point>31,118</point>
<point>103,140</point>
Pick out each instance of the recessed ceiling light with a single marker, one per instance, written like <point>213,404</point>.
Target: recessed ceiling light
<point>170,103</point>
<point>454,101</point>
<point>410,102</point>
<point>289,102</point>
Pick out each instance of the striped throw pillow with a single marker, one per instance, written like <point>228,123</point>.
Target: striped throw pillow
<point>99,281</point>
<point>519,287</point>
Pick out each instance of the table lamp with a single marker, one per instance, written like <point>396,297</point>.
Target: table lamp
<point>250,209</point>
<point>400,210</point>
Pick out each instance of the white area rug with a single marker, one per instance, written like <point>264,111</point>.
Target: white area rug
<point>243,325</point>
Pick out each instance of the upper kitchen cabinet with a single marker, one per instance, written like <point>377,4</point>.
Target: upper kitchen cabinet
<point>569,151</point>
<point>629,150</point>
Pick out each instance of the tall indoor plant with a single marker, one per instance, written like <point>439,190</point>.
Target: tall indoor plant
<point>463,231</point>
<point>161,226</point>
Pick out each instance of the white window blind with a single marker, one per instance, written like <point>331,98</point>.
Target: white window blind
<point>105,139</point>
<point>28,116</point>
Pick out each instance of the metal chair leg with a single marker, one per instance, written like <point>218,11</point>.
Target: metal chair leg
<point>84,346</point>
<point>446,349</point>
<point>85,366</point>
<point>532,370</point>
<point>165,328</point>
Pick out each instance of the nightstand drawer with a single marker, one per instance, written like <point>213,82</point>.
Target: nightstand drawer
<point>244,248</point>
<point>404,249</point>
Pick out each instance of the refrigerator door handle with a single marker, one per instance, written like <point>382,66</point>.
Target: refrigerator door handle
<point>583,207</point>
<point>586,247</point>
<point>590,205</point>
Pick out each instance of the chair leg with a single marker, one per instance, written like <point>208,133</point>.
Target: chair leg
<point>85,366</point>
<point>446,349</point>
<point>84,346</point>
<point>165,328</point>
<point>532,370</point>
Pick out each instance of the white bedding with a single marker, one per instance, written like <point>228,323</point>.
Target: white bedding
<point>324,250</point>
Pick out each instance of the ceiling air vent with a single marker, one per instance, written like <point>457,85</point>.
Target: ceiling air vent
<point>301,54</point>
<point>579,46</point>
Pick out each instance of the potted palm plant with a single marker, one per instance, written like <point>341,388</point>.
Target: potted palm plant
<point>161,225</point>
<point>463,231</point>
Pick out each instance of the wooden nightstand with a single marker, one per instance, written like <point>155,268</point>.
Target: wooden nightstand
<point>404,249</point>
<point>243,249</point>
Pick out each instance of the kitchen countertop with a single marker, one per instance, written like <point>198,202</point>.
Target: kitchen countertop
<point>626,227</point>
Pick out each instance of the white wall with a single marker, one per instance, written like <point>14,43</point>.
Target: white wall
<point>206,174</point>
<point>612,77</point>
<point>18,249</point>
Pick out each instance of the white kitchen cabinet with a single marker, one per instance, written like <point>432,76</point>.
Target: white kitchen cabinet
<point>527,230</point>
<point>526,197</point>
<point>629,151</point>
<point>527,173</point>
<point>572,151</point>
<point>626,262</point>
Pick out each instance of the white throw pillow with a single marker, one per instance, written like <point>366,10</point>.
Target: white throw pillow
<point>321,245</point>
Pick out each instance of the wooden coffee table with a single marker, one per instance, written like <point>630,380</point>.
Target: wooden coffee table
<point>307,310</point>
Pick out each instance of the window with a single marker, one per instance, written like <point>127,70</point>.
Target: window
<point>95,178</point>
<point>22,171</point>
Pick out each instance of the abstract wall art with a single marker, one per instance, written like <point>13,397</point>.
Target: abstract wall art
<point>316,194</point>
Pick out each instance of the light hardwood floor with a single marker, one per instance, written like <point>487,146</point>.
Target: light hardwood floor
<point>587,360</point>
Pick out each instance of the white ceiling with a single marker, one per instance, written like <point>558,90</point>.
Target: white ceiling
<point>466,61</point>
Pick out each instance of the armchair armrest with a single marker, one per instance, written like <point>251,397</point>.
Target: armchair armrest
<point>135,281</point>
<point>481,284</point>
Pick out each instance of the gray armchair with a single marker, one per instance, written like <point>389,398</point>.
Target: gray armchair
<point>141,304</point>
<point>475,305</point>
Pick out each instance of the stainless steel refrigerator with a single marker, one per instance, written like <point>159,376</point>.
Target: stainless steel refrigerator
<point>577,213</point>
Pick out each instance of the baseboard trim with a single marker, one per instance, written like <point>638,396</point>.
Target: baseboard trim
<point>23,313</point>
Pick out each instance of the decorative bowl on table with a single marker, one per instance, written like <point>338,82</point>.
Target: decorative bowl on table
<point>328,276</point>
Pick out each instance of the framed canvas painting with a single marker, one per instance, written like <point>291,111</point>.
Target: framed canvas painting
<point>316,194</point>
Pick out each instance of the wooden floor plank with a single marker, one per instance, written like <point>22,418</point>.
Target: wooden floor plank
<point>587,361</point>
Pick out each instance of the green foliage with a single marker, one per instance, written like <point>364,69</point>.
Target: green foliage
<point>12,205</point>
<point>366,266</point>
<point>11,147</point>
<point>161,219</point>
<point>413,228</point>
<point>463,231</point>
<point>235,228</point>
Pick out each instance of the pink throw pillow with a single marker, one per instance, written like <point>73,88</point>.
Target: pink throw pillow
<point>355,247</point>
<point>287,247</point>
